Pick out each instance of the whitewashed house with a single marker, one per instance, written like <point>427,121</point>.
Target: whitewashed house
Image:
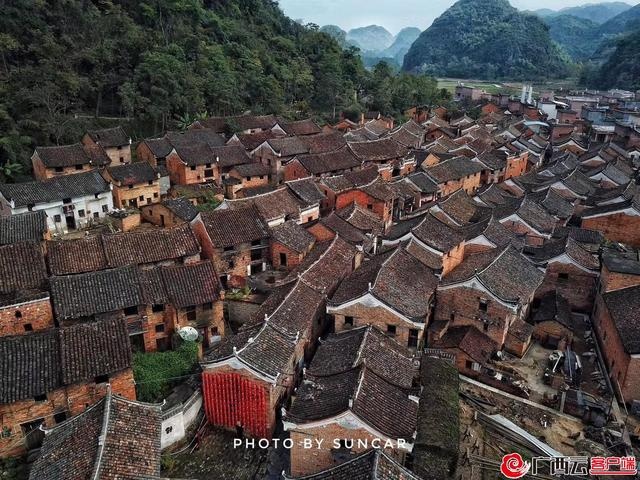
<point>71,202</point>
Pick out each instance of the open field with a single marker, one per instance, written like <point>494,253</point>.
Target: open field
<point>511,87</point>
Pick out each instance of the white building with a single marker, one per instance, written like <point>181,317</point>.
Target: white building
<point>70,201</point>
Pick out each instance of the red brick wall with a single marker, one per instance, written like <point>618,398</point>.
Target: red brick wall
<point>380,208</point>
<point>579,289</point>
<point>516,166</point>
<point>144,153</point>
<point>321,232</point>
<point>294,170</point>
<point>38,314</point>
<point>616,228</point>
<point>615,281</point>
<point>293,259</point>
<point>182,174</point>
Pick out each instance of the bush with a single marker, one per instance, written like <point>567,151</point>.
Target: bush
<point>155,373</point>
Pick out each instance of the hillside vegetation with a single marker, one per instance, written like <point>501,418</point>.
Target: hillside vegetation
<point>487,39</point>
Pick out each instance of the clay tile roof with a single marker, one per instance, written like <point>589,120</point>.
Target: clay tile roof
<point>182,208</point>
<point>334,161</point>
<point>22,267</point>
<point>470,340</point>
<point>293,236</point>
<point>195,136</point>
<point>251,141</point>
<point>300,127</point>
<point>30,366</point>
<point>92,349</point>
<point>24,227</point>
<point>198,154</point>
<point>582,235</point>
<point>536,216</point>
<point>324,142</point>
<point>495,160</point>
<point>231,227</point>
<point>160,147</point>
<point>124,429</point>
<point>462,208</point>
<point>288,146</point>
<point>348,180</point>
<point>251,122</point>
<point>252,169</point>
<point>404,137</point>
<point>63,155</point>
<point>378,150</point>
<point>79,255</point>
<point>507,274</point>
<point>343,228</point>
<point>269,351</point>
<point>230,155</point>
<point>89,294</point>
<point>380,190</point>
<point>133,174</point>
<point>271,205</point>
<point>306,189</point>
<point>453,169</point>
<point>365,345</point>
<point>557,205</point>
<point>371,465</point>
<point>623,306</point>
<point>361,218</point>
<point>423,182</point>
<point>55,189</point>
<point>150,246</point>
<point>437,234</point>
<point>109,137</point>
<point>190,285</point>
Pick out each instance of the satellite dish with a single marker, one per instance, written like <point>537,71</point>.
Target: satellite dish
<point>188,334</point>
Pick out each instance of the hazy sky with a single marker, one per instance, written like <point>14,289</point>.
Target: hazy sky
<point>394,14</point>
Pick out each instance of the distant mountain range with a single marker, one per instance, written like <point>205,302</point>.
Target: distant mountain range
<point>375,42</point>
<point>595,12</point>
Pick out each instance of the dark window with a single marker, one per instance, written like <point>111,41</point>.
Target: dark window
<point>485,327</point>
<point>102,379</point>
<point>81,213</point>
<point>214,331</point>
<point>155,194</point>
<point>228,249</point>
<point>452,317</point>
<point>193,168</point>
<point>348,321</point>
<point>78,167</point>
<point>96,195</point>
<point>208,173</point>
<point>159,327</point>
<point>30,207</point>
<point>391,329</point>
<point>413,338</point>
<point>59,169</point>
<point>141,198</point>
<point>105,208</point>
<point>57,218</point>
<point>256,243</point>
<point>96,215</point>
<point>468,364</point>
<point>40,398</point>
<point>150,182</point>
<point>563,277</point>
<point>283,259</point>
<point>28,327</point>
<point>60,417</point>
<point>191,314</point>
<point>130,187</point>
<point>131,310</point>
<point>158,307</point>
<point>256,255</point>
<point>483,305</point>
<point>66,200</point>
<point>207,306</point>
<point>18,314</point>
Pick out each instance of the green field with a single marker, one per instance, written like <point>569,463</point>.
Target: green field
<point>511,88</point>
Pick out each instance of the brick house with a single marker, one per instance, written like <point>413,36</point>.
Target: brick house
<point>455,173</point>
<point>237,241</point>
<point>619,270</point>
<point>393,291</point>
<point>250,175</point>
<point>115,143</point>
<point>332,186</point>
<point>70,201</point>
<point>24,300</point>
<point>119,425</point>
<point>290,243</point>
<point>570,270</point>
<point>357,387</point>
<point>441,245</point>
<point>554,326</point>
<point>618,222</point>
<point>170,212</point>
<point>246,123</point>
<point>51,375</point>
<point>392,158</point>
<point>321,164</point>
<point>51,162</point>
<point>471,347</point>
<point>490,291</point>
<point>134,185</point>
<point>327,228</point>
<point>257,368</point>
<point>377,196</point>
<point>276,152</point>
<point>615,318</point>
<point>531,221</point>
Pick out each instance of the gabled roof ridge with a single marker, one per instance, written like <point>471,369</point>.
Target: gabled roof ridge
<point>382,265</point>
<point>102,439</point>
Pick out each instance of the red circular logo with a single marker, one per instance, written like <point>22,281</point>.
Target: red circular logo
<point>513,466</point>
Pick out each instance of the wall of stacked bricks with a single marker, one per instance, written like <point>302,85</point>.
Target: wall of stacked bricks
<point>377,316</point>
<point>145,154</point>
<point>118,156</point>
<point>123,195</point>
<point>182,174</point>
<point>293,259</point>
<point>307,461</point>
<point>250,182</point>
<point>321,233</point>
<point>266,156</point>
<point>41,172</point>
<point>615,281</point>
<point>464,304</point>
<point>72,399</point>
<point>453,258</point>
<point>293,171</point>
<point>128,223</point>
<point>623,369</point>
<point>578,289</point>
<point>616,228</point>
<point>516,166</point>
<point>38,314</point>
<point>515,345</point>
<point>152,213</point>
<point>543,331</point>
<point>380,208</point>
